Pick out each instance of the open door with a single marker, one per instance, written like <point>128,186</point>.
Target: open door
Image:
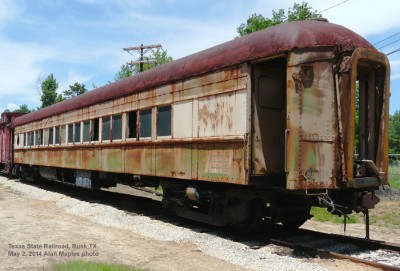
<point>269,121</point>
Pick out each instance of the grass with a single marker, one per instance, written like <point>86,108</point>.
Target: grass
<point>385,214</point>
<point>322,215</point>
<point>90,266</point>
<point>394,176</point>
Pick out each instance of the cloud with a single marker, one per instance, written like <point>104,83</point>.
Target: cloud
<point>363,17</point>
<point>8,11</point>
<point>74,77</point>
<point>10,106</point>
<point>20,66</point>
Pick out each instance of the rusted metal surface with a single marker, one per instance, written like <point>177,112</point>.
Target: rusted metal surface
<point>381,93</point>
<point>271,41</point>
<point>207,139</point>
<point>311,121</point>
<point>7,118</point>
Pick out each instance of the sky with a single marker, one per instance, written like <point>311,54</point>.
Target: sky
<point>82,40</point>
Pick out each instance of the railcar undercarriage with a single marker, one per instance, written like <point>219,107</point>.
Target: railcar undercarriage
<point>245,208</point>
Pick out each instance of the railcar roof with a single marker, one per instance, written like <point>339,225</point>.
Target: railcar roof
<point>268,42</point>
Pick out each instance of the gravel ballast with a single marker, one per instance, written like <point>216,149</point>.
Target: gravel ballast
<point>237,253</point>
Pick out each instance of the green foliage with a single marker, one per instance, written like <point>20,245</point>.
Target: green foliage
<point>48,89</point>
<point>74,90</point>
<point>257,22</point>
<point>160,56</point>
<point>88,266</point>
<point>322,215</point>
<point>394,133</point>
<point>23,109</point>
<point>394,176</point>
<point>125,72</point>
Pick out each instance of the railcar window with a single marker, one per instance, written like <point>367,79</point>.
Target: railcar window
<point>46,137</point>
<point>57,135</point>
<point>117,127</point>
<point>63,134</point>
<point>24,141</point>
<point>86,131</point>
<point>31,138</point>
<point>131,124</point>
<point>164,121</point>
<point>40,137</point>
<point>70,130</point>
<point>106,128</point>
<point>145,123</point>
<point>36,136</point>
<point>270,93</point>
<point>95,129</point>
<point>51,136</point>
<point>77,133</point>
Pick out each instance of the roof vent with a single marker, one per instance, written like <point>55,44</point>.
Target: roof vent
<point>320,19</point>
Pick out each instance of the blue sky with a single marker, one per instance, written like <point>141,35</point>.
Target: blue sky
<point>82,40</point>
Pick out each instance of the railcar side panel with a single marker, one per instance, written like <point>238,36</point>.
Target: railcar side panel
<point>207,138</point>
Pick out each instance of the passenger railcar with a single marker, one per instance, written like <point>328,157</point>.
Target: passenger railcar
<point>257,128</point>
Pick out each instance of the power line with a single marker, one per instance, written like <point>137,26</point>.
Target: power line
<point>392,52</point>
<point>388,44</point>
<point>142,50</point>
<point>333,6</point>
<point>386,38</point>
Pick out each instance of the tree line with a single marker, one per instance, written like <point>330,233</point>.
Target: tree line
<point>256,22</point>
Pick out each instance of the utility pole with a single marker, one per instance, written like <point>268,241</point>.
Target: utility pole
<point>142,50</point>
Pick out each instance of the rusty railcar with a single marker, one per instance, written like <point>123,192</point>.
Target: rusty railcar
<point>257,128</point>
<point>6,140</point>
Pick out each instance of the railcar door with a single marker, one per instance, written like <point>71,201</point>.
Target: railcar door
<point>312,149</point>
<point>269,122</point>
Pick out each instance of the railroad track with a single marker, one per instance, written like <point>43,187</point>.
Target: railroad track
<point>378,254</point>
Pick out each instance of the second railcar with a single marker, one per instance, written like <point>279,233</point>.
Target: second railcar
<point>256,128</point>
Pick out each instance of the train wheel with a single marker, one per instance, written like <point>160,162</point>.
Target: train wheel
<point>253,221</point>
<point>294,220</point>
<point>293,224</point>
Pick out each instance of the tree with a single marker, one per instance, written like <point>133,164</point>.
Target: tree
<point>22,109</point>
<point>48,91</point>
<point>257,22</point>
<point>160,56</point>
<point>394,133</point>
<point>125,72</point>
<point>74,90</point>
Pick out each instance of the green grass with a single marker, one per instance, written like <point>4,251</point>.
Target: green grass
<point>394,176</point>
<point>322,215</point>
<point>89,266</point>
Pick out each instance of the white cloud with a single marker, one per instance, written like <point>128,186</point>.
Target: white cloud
<point>74,77</point>
<point>20,66</point>
<point>363,17</point>
<point>10,106</point>
<point>8,11</point>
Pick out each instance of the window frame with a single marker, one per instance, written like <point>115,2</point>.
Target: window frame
<point>127,125</point>
<point>149,109</point>
<point>168,136</point>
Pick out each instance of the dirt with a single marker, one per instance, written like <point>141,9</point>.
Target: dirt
<point>34,232</point>
<point>25,222</point>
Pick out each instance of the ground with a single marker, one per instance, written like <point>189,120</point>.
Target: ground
<point>28,223</point>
